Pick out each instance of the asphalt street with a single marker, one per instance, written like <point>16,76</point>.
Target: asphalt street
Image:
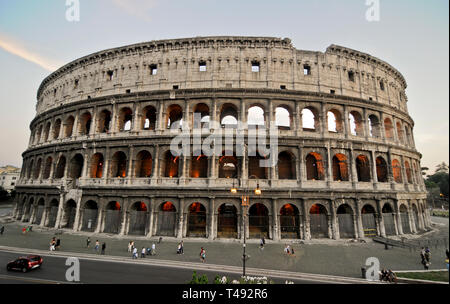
<point>53,271</point>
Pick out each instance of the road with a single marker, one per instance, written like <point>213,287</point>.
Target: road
<point>54,269</point>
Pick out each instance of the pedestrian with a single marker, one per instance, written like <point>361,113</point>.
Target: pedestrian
<point>179,248</point>
<point>261,243</point>
<point>24,230</point>
<point>392,276</point>
<point>286,249</point>
<point>88,242</point>
<point>203,255</point>
<point>132,246</point>
<point>103,248</point>
<point>422,256</point>
<point>129,246</point>
<point>143,252</point>
<point>159,240</point>
<point>447,253</point>
<point>2,230</point>
<point>153,252</point>
<point>134,256</point>
<point>52,245</point>
<point>428,255</point>
<point>58,244</point>
<point>97,245</point>
<point>182,247</point>
<point>292,251</point>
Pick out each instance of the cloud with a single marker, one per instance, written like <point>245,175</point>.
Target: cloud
<point>16,48</point>
<point>137,8</point>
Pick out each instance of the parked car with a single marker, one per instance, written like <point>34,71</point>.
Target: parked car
<point>25,264</point>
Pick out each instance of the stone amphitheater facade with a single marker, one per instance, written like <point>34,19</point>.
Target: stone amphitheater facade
<point>99,156</point>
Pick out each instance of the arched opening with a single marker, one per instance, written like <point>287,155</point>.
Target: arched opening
<point>196,220</point>
<point>374,126</point>
<point>404,216</point>
<point>61,167</point>
<point>104,121</point>
<point>382,170</point>
<point>340,169</point>
<point>69,126</point>
<point>199,167</point>
<point>408,172</point>
<point>201,113</point>
<point>171,165</point>
<point>76,166</point>
<point>255,116</point>
<point>39,212</point>
<point>389,129</point>
<point>229,116</point>
<point>334,119</point>
<point>37,169</point>
<point>228,166</point>
<point>283,118</point>
<point>258,220</point>
<point>174,117</point>
<point>289,222</point>
<point>408,139</point>
<point>356,123</point>
<point>47,131</point>
<point>400,132</point>
<point>38,135</point>
<point>397,171</point>
<point>27,210</point>
<point>85,123</point>
<point>30,169</point>
<point>144,163</point>
<point>416,216</point>
<point>113,217</point>
<point>388,219</point>
<point>56,129</point>
<point>314,167</point>
<point>90,215</point>
<point>318,222</point>
<point>309,119</point>
<point>70,210</point>
<point>166,219</point>
<point>118,165</point>
<point>97,162</point>
<point>148,118</point>
<point>53,213</point>
<point>138,219</point>
<point>363,168</point>
<point>369,221</point>
<point>345,220</point>
<point>254,167</point>
<point>47,168</point>
<point>125,119</point>
<point>227,221</point>
<point>286,166</point>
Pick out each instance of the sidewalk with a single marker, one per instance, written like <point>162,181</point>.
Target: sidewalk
<point>339,258</point>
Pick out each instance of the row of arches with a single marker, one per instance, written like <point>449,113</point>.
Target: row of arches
<point>139,219</point>
<point>148,118</point>
<point>144,166</point>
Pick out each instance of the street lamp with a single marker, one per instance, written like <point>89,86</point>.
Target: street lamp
<point>245,203</point>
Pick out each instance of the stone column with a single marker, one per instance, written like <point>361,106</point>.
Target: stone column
<point>380,218</point>
<point>99,216</point>
<point>334,221</point>
<point>124,216</point>
<point>151,217</point>
<point>276,220</point>
<point>347,130</point>
<point>93,122</point>
<point>180,232</point>
<point>60,210</point>
<point>359,225</point>
<point>212,231</point>
<point>374,169</point>
<point>77,215</point>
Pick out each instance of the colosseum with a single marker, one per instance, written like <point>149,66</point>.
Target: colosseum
<point>100,160</point>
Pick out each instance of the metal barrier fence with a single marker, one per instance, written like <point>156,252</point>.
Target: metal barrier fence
<point>346,226</point>
<point>112,221</point>
<point>89,220</point>
<point>290,226</point>
<point>38,216</point>
<point>318,225</point>
<point>369,224</point>
<point>389,223</point>
<point>227,226</point>
<point>70,217</point>
<point>52,216</point>
<point>138,222</point>
<point>405,222</point>
<point>258,226</point>
<point>197,225</point>
<point>166,223</point>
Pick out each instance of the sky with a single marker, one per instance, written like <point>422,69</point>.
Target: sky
<point>412,35</point>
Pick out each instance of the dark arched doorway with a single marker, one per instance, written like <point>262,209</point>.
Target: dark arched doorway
<point>90,215</point>
<point>368,221</point>
<point>227,221</point>
<point>345,219</point>
<point>113,216</point>
<point>318,222</point>
<point>39,212</point>
<point>404,216</point>
<point>196,220</point>
<point>388,219</point>
<point>138,218</point>
<point>258,219</point>
<point>53,213</point>
<point>166,219</point>
<point>70,211</point>
<point>289,222</point>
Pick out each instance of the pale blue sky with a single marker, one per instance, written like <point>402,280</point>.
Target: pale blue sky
<point>412,35</point>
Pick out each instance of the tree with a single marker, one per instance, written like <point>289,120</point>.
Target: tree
<point>439,179</point>
<point>442,167</point>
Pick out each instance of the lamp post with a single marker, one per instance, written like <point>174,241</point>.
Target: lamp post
<point>245,200</point>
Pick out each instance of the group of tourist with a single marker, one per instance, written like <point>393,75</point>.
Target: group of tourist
<point>388,276</point>
<point>145,251</point>
<point>425,256</point>
<point>288,250</point>
<point>55,244</point>
<point>97,245</point>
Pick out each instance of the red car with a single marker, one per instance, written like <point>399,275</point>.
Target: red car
<point>25,264</point>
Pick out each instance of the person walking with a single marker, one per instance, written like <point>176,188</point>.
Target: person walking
<point>153,252</point>
<point>58,244</point>
<point>179,248</point>
<point>2,230</point>
<point>202,255</point>
<point>52,244</point>
<point>88,242</point>
<point>428,255</point>
<point>182,247</point>
<point>103,248</point>
<point>135,254</point>
<point>97,245</point>
<point>262,242</point>
<point>143,252</point>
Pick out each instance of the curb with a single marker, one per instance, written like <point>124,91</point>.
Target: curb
<point>199,266</point>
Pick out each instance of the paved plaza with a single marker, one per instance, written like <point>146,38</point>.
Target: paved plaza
<point>332,257</point>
